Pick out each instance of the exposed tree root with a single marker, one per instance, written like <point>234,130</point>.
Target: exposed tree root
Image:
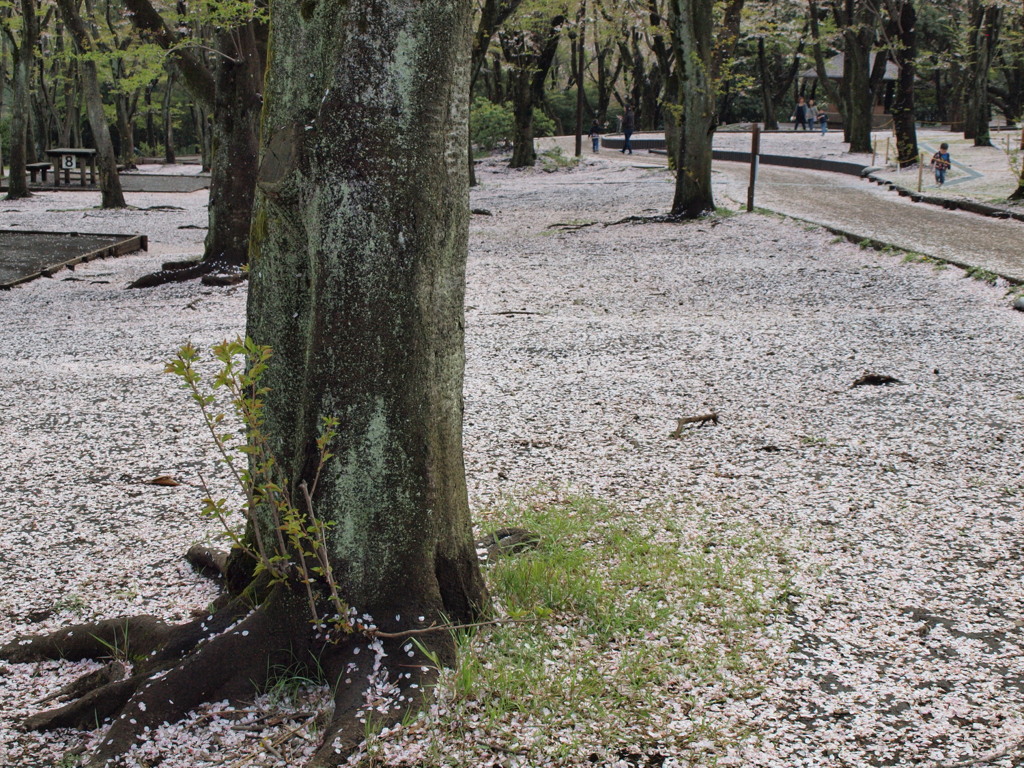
<point>161,672</point>
<point>212,272</point>
<point>208,561</point>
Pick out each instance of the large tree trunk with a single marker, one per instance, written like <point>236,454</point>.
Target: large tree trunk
<point>17,184</point>
<point>904,33</point>
<point>983,35</point>
<point>358,269</point>
<point>691,22</point>
<point>358,277</point>
<point>357,282</point>
<point>106,161</point>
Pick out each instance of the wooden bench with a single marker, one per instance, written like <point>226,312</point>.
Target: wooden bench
<point>34,169</point>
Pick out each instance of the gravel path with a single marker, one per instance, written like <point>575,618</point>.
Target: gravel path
<point>901,502</point>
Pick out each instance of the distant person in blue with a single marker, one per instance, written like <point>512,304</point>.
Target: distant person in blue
<point>628,124</point>
<point>800,114</point>
<point>941,162</point>
<point>823,120</point>
<point>595,135</point>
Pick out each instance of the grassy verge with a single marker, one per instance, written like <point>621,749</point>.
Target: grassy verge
<point>648,628</point>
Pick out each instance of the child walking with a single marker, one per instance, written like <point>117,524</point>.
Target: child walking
<point>595,135</point>
<point>941,163</point>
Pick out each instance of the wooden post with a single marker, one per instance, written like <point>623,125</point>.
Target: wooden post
<point>755,157</point>
<point>887,140</point>
<point>920,171</point>
<point>874,150</point>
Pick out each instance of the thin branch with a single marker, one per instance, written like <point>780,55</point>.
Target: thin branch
<point>992,756</point>
<point>447,628</point>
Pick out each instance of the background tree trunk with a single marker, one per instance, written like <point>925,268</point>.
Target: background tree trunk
<point>232,91</point>
<point>531,56</point>
<point>24,54</point>
<point>106,161</point>
<point>691,22</point>
<point>168,123</point>
<point>983,34</point>
<point>903,26</point>
<point>233,172</point>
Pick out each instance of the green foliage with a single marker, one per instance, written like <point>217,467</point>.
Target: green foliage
<point>288,541</point>
<point>493,125</point>
<point>490,124</point>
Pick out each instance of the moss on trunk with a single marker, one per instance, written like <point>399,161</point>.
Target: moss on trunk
<point>357,280</point>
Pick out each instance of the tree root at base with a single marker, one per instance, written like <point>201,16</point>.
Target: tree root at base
<point>230,655</point>
<point>217,273</point>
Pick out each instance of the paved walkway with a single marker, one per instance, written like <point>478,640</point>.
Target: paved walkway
<point>867,210</point>
<point>860,207</point>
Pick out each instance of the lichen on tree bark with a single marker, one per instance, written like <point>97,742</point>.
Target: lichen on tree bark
<point>358,273</point>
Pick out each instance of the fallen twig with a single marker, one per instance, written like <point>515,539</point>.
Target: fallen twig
<point>1017,747</point>
<point>700,421</point>
<point>567,226</point>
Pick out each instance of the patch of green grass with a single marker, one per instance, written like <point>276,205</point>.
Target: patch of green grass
<point>984,275</point>
<point>286,685</point>
<point>622,617</point>
<point>70,603</point>
<point>555,160</point>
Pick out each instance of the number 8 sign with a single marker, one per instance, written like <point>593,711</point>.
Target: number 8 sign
<point>67,162</point>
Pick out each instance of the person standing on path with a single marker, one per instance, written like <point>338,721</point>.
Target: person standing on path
<point>595,135</point>
<point>628,123</point>
<point>941,162</point>
<point>799,117</point>
<point>811,115</point>
<point>823,119</point>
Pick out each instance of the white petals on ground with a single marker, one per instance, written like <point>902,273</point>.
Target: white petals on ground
<point>902,503</point>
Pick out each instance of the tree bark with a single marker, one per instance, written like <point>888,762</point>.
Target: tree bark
<point>235,150</point>
<point>530,54</point>
<point>106,161</point>
<point>691,22</point>
<point>983,34</point>
<point>231,91</point>
<point>168,122</point>
<point>357,282</point>
<point>24,54</point>
<point>771,122</point>
<point>903,32</point>
<point>493,14</point>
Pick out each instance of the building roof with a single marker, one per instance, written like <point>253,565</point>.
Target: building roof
<point>834,68</point>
